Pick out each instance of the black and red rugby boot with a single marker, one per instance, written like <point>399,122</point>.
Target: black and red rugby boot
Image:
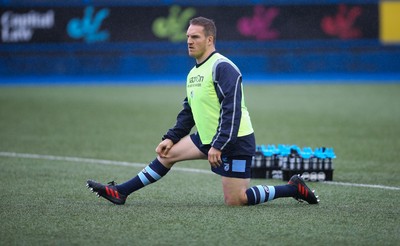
<point>109,191</point>
<point>303,192</point>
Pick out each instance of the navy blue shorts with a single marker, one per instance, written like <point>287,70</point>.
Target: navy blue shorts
<point>232,166</point>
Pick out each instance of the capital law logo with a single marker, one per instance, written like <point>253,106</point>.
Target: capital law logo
<point>20,27</point>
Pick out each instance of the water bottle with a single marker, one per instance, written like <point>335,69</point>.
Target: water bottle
<point>292,161</point>
<point>258,158</point>
<point>329,154</point>
<point>319,153</point>
<point>314,162</point>
<point>268,152</point>
<point>294,158</point>
<point>306,155</point>
<point>275,156</point>
<point>315,159</point>
<point>299,162</point>
<point>283,157</point>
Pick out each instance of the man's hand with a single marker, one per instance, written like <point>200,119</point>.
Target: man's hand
<point>164,147</point>
<point>214,157</point>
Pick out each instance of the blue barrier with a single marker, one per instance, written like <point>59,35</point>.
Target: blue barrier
<point>290,60</point>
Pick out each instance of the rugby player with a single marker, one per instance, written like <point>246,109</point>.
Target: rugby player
<point>215,104</point>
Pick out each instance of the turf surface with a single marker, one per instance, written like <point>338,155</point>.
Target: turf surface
<point>45,202</point>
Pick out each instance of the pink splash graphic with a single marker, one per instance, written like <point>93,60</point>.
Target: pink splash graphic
<point>259,25</point>
<point>342,25</point>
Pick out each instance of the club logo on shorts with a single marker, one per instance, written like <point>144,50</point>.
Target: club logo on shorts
<point>226,167</point>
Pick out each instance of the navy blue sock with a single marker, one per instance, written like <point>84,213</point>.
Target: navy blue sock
<point>285,191</point>
<point>262,193</point>
<point>150,174</point>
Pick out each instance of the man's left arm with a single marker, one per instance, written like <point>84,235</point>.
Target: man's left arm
<point>228,84</point>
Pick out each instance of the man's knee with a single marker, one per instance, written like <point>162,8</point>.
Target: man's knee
<point>166,161</point>
<point>235,199</point>
<point>235,191</point>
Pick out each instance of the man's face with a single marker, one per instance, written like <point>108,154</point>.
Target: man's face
<point>198,43</point>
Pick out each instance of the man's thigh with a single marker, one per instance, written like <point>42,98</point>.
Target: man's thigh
<point>183,150</point>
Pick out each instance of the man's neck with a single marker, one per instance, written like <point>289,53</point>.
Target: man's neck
<point>205,56</point>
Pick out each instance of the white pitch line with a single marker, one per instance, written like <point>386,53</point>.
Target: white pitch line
<point>140,165</point>
<point>93,161</point>
<point>70,159</point>
<point>363,185</point>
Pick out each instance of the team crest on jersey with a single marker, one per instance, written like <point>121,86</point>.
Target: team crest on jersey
<point>191,94</point>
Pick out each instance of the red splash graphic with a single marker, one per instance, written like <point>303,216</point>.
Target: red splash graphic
<point>259,25</point>
<point>342,24</point>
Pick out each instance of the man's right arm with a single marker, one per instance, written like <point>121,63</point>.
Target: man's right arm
<point>184,124</point>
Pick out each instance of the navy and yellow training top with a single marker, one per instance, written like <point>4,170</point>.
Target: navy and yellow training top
<point>215,104</point>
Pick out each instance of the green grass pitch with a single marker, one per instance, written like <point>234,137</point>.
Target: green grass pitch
<point>45,202</point>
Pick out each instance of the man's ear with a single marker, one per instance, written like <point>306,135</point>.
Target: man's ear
<point>210,40</point>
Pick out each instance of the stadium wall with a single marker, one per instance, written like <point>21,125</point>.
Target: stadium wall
<point>143,41</point>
